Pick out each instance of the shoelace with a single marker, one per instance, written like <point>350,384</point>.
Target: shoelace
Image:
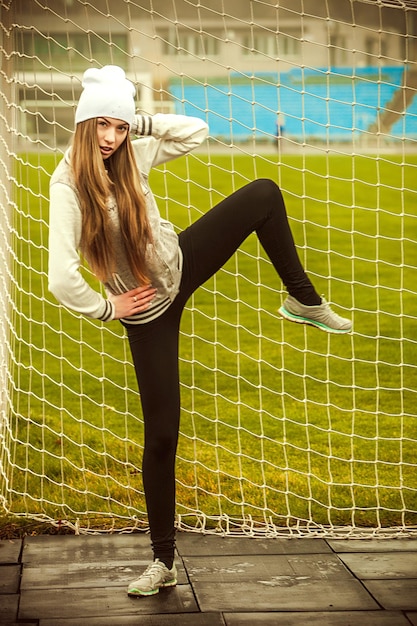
<point>153,569</point>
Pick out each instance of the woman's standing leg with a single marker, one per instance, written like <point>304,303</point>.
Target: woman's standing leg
<point>154,348</point>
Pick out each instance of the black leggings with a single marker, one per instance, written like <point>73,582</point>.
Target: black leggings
<point>206,246</point>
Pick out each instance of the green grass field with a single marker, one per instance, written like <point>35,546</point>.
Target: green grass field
<point>280,423</point>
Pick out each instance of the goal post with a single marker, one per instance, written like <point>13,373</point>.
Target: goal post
<point>284,430</point>
<point>6,203</point>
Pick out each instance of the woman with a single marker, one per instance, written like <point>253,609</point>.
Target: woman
<point>101,205</point>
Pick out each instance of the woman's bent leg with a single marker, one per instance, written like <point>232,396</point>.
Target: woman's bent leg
<point>258,207</point>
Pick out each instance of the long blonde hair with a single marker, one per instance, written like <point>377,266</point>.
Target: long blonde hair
<point>95,185</point>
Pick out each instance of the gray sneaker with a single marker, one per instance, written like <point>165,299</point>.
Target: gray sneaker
<point>321,316</point>
<point>156,576</point>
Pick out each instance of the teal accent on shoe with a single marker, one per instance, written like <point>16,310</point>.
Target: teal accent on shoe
<point>138,592</point>
<point>306,320</point>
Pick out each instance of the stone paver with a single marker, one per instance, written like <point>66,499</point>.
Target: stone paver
<point>72,580</point>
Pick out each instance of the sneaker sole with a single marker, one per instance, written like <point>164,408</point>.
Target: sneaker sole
<point>291,317</point>
<point>138,592</point>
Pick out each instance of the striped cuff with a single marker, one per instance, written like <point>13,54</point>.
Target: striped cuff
<point>108,312</point>
<point>142,126</point>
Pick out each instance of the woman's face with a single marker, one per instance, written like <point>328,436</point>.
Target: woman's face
<point>111,133</point>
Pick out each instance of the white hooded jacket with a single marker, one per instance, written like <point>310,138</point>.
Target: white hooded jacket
<point>161,139</point>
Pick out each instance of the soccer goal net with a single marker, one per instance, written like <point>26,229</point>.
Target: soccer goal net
<point>284,429</point>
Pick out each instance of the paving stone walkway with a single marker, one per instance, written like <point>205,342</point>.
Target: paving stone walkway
<point>68,580</point>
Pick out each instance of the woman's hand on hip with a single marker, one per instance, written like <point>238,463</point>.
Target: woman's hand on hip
<point>133,301</point>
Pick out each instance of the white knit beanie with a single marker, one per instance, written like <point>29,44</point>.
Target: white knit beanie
<point>107,93</point>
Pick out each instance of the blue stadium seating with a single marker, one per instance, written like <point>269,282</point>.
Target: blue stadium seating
<point>316,104</point>
<point>407,125</point>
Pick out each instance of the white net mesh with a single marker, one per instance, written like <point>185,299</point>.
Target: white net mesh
<point>284,429</point>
